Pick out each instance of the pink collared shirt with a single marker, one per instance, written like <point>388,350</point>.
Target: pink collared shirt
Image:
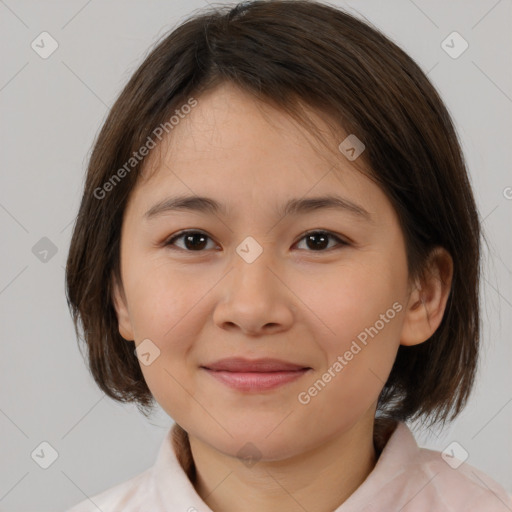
<point>406,478</point>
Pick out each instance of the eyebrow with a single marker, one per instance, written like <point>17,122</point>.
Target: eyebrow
<point>298,206</point>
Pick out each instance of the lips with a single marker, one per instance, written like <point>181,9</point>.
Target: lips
<point>241,365</point>
<point>255,376</point>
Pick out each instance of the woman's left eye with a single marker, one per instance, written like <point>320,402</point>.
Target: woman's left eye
<point>318,239</point>
<point>195,241</point>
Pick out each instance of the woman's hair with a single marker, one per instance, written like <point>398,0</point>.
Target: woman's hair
<point>291,54</point>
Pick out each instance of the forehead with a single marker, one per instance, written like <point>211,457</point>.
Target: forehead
<point>232,146</point>
<point>229,122</point>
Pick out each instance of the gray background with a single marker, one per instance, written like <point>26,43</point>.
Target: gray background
<point>52,108</point>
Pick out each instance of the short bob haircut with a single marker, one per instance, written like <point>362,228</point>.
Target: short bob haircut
<point>291,53</point>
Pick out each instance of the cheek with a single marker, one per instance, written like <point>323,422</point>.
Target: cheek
<point>162,304</point>
<point>166,308</point>
<point>362,311</point>
<point>353,300</point>
<point>358,357</point>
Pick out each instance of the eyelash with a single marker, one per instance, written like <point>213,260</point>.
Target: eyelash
<point>181,234</point>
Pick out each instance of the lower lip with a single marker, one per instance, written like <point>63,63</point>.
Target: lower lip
<point>256,381</point>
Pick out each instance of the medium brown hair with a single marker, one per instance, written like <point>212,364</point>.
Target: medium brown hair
<point>291,53</point>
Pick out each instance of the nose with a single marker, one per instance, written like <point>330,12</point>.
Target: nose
<point>254,298</point>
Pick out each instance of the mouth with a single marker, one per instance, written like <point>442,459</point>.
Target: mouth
<point>255,375</point>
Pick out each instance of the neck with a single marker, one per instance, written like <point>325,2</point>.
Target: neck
<point>320,479</point>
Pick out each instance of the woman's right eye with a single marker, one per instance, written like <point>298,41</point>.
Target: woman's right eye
<point>194,241</point>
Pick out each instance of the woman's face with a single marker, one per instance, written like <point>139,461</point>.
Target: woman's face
<point>253,285</point>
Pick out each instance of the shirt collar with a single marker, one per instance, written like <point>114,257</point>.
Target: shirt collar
<point>174,468</point>
<point>171,473</point>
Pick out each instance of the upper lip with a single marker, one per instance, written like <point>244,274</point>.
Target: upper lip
<point>240,364</point>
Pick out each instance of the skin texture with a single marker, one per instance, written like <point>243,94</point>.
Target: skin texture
<point>293,303</point>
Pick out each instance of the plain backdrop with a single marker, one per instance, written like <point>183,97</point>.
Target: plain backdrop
<point>51,110</point>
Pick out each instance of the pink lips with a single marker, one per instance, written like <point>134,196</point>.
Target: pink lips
<point>254,375</point>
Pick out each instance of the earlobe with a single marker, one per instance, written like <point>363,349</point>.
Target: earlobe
<point>428,299</point>
<point>123,315</point>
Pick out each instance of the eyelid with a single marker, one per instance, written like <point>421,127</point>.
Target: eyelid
<point>339,238</point>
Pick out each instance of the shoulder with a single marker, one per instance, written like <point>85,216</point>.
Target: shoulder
<point>163,486</point>
<point>454,485</point>
<point>461,485</point>
<point>130,495</point>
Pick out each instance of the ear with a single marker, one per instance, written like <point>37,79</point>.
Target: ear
<point>123,315</point>
<point>428,298</point>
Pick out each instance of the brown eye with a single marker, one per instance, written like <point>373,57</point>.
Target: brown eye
<point>193,241</point>
<point>319,240</point>
<point>197,241</point>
